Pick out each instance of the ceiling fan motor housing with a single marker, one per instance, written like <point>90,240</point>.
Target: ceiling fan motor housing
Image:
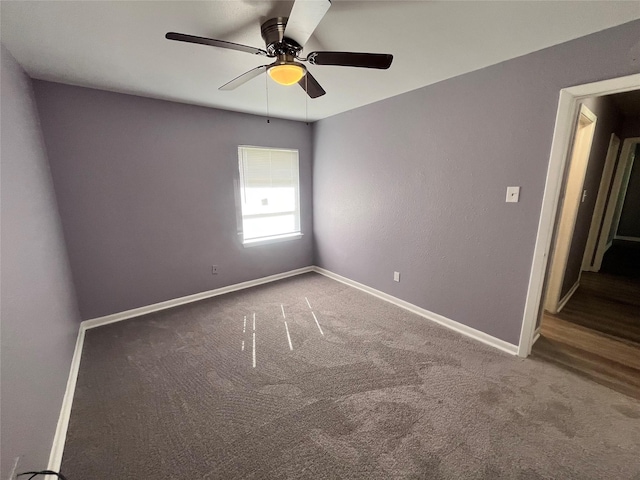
<point>277,44</point>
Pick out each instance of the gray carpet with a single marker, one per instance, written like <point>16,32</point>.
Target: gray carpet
<point>382,394</point>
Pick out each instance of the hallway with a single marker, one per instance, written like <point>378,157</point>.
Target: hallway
<point>597,333</point>
<point>623,259</point>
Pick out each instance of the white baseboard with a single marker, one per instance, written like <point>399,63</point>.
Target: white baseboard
<point>156,307</point>
<point>57,449</point>
<point>60,437</point>
<point>434,317</point>
<point>628,239</point>
<point>568,296</point>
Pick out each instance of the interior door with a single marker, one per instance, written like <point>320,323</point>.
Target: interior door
<point>597,220</point>
<point>574,184</point>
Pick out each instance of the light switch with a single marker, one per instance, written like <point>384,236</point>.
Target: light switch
<point>396,276</point>
<point>513,194</point>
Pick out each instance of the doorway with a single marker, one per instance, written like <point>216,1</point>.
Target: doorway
<point>588,321</point>
<point>568,108</point>
<point>612,214</point>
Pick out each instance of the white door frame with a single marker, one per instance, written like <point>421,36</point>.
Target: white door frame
<point>627,158</point>
<point>565,117</point>
<point>618,192</point>
<point>570,205</point>
<point>599,210</point>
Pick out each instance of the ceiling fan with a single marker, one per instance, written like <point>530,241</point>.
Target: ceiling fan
<point>284,38</point>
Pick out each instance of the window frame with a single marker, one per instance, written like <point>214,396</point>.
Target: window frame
<point>240,193</point>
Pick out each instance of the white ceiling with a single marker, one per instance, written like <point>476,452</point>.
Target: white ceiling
<point>120,45</point>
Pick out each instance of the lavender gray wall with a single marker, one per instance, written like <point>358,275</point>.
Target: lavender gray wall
<point>608,122</point>
<point>416,183</point>
<point>629,225</point>
<point>146,195</point>
<point>39,312</point>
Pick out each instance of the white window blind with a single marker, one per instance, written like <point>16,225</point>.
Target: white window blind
<point>269,192</point>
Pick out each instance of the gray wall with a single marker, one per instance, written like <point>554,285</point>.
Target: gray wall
<point>608,122</point>
<point>39,313</point>
<point>629,225</point>
<point>146,195</point>
<point>416,183</point>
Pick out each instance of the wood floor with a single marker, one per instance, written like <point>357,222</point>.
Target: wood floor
<point>597,334</point>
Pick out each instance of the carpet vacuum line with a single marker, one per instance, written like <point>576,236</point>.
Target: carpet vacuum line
<point>314,316</point>
<point>286,327</point>
<point>244,329</point>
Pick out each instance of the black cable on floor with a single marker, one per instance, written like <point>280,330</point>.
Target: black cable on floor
<point>43,472</point>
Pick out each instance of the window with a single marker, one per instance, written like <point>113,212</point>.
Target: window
<point>269,194</point>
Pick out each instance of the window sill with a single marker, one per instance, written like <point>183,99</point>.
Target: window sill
<point>255,242</point>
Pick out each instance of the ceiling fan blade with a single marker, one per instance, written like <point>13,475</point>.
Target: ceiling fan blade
<point>351,59</point>
<point>304,18</point>
<point>310,85</point>
<point>181,37</point>
<point>244,78</point>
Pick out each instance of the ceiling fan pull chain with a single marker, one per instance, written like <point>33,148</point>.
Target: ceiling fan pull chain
<point>306,99</point>
<point>266,88</point>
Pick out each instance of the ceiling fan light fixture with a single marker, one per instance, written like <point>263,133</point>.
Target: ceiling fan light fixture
<point>287,73</point>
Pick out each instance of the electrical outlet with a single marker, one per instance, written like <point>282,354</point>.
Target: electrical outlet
<point>214,269</point>
<point>396,276</point>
